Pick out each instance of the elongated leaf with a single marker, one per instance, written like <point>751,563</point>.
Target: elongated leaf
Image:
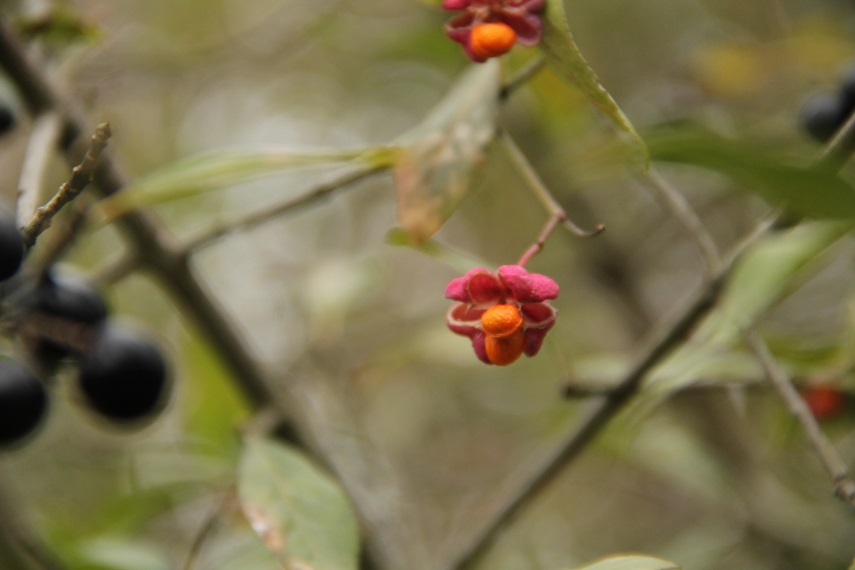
<point>217,170</point>
<point>771,270</point>
<point>631,563</point>
<point>813,192</point>
<point>302,516</point>
<point>438,158</point>
<point>564,56</point>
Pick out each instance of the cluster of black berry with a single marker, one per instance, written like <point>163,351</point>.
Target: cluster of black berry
<point>824,113</point>
<point>57,318</point>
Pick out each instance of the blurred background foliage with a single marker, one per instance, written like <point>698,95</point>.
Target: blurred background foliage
<point>712,477</point>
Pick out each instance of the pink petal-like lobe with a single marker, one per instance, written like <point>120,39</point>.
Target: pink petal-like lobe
<point>533,341</point>
<point>464,320</point>
<point>484,289</point>
<point>538,315</point>
<point>527,287</point>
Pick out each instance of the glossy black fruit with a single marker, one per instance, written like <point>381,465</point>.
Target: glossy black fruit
<point>63,315</point>
<point>11,247</point>
<point>70,298</point>
<point>124,377</point>
<point>23,402</point>
<point>823,114</point>
<point>7,119</point>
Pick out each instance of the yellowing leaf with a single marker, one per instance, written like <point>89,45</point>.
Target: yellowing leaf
<point>435,168</point>
<point>301,514</point>
<point>564,56</point>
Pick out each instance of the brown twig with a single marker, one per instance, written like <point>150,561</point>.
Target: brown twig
<point>542,193</point>
<point>677,205</point>
<point>81,176</point>
<point>212,521</point>
<point>844,485</point>
<point>260,217</point>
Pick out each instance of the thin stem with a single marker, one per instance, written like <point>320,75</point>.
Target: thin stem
<point>844,485</point>
<point>521,77</point>
<point>538,245</point>
<point>677,205</point>
<point>257,218</point>
<point>540,190</point>
<point>210,524</point>
<point>81,176</point>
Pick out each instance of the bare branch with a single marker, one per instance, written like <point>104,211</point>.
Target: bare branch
<point>81,176</point>
<point>255,219</point>
<point>677,205</point>
<point>844,485</point>
<point>543,194</point>
<point>521,77</point>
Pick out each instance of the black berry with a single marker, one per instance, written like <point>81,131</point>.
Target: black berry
<point>124,376</point>
<point>823,114</point>
<point>11,247</point>
<point>847,88</point>
<point>69,298</point>
<point>62,317</point>
<point>7,119</point>
<point>23,402</point>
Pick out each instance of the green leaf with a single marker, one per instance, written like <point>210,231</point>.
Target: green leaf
<point>813,192</point>
<point>300,513</point>
<point>852,566</point>
<point>770,271</point>
<point>438,158</point>
<point>631,563</point>
<point>220,169</point>
<point>564,56</point>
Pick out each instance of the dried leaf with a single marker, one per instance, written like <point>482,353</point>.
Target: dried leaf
<point>435,168</point>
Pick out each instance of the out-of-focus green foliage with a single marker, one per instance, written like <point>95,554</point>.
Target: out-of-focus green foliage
<point>302,515</point>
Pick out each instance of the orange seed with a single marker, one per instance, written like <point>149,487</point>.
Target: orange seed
<point>492,40</point>
<point>501,351</point>
<point>501,320</point>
